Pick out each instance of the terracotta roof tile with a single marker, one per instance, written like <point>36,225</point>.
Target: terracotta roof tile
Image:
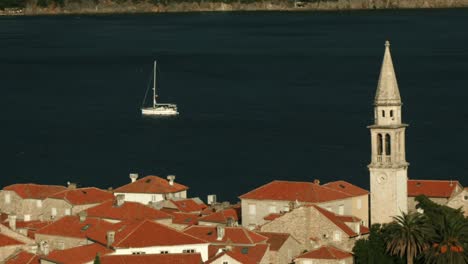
<point>71,226</point>
<point>23,257</point>
<point>189,258</point>
<point>276,240</point>
<point>346,187</point>
<point>151,184</point>
<point>326,252</point>
<point>144,234</point>
<point>235,235</point>
<point>292,191</point>
<point>90,195</point>
<point>272,216</point>
<point>8,241</point>
<point>126,211</point>
<point>184,218</point>
<point>337,220</point>
<point>432,188</point>
<point>188,205</point>
<point>77,255</point>
<point>245,255</point>
<point>34,191</point>
<point>221,216</point>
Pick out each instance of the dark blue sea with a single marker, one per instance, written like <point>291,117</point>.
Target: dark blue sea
<point>262,96</point>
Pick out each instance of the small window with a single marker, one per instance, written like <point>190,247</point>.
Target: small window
<point>67,212</point>
<point>465,197</point>
<point>272,209</point>
<point>60,245</point>
<point>27,217</point>
<point>164,252</point>
<point>39,203</point>
<point>7,198</point>
<point>188,251</point>
<point>391,113</point>
<point>336,236</point>
<point>53,211</point>
<point>138,253</point>
<point>383,113</point>
<point>252,209</point>
<point>153,198</point>
<point>341,209</point>
<point>359,203</point>
<point>225,262</point>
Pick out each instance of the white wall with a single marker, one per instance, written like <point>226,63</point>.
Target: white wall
<point>199,248</point>
<point>145,198</point>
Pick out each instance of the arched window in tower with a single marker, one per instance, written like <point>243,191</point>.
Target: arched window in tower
<point>388,144</point>
<point>383,113</point>
<point>391,113</point>
<point>379,144</point>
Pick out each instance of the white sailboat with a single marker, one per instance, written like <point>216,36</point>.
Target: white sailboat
<point>159,109</point>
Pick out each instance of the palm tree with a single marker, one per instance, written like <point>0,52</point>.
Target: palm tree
<point>407,236</point>
<point>448,240</point>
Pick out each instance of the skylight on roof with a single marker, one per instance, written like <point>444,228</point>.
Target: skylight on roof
<point>86,227</point>
<point>245,250</point>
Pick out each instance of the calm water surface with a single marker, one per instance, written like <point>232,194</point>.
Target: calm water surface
<point>262,96</point>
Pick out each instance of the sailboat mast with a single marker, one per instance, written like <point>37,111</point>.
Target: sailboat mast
<point>154,86</point>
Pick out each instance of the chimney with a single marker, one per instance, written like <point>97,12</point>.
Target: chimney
<point>317,181</point>
<point>220,232</point>
<point>119,200</point>
<point>82,216</point>
<point>230,221</point>
<point>46,249</point>
<point>171,179</point>
<point>32,249</point>
<point>71,185</point>
<point>133,176</point>
<point>12,222</point>
<point>110,237</point>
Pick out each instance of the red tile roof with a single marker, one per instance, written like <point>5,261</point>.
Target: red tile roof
<point>221,216</point>
<point>151,184</point>
<point>126,211</point>
<point>276,240</point>
<point>272,216</point>
<point>8,241</point>
<point>90,195</point>
<point>338,220</point>
<point>189,258</point>
<point>184,218</point>
<point>77,255</point>
<point>326,252</point>
<point>71,226</point>
<point>144,234</point>
<point>292,191</point>
<point>347,188</point>
<point>23,257</point>
<point>34,191</point>
<point>235,235</point>
<point>245,255</point>
<point>432,188</point>
<point>188,205</point>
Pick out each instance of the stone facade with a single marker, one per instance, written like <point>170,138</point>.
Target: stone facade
<point>10,202</point>
<point>307,222</point>
<point>460,200</point>
<point>288,251</point>
<point>58,208</point>
<point>323,261</point>
<point>61,242</point>
<point>356,206</point>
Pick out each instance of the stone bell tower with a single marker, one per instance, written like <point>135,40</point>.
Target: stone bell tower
<point>388,167</point>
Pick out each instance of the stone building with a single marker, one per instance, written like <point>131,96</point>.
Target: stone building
<point>8,245</point>
<point>257,254</point>
<point>388,167</point>
<point>280,196</point>
<point>314,226</point>
<point>325,255</point>
<point>283,247</point>
<point>151,189</point>
<point>460,200</point>
<point>438,191</point>
<point>72,201</point>
<point>26,200</point>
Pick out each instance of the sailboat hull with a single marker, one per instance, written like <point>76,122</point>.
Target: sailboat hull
<point>162,110</point>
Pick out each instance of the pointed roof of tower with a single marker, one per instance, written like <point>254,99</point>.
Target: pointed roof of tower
<point>387,88</point>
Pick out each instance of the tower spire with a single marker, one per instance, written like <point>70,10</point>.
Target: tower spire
<point>387,88</point>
